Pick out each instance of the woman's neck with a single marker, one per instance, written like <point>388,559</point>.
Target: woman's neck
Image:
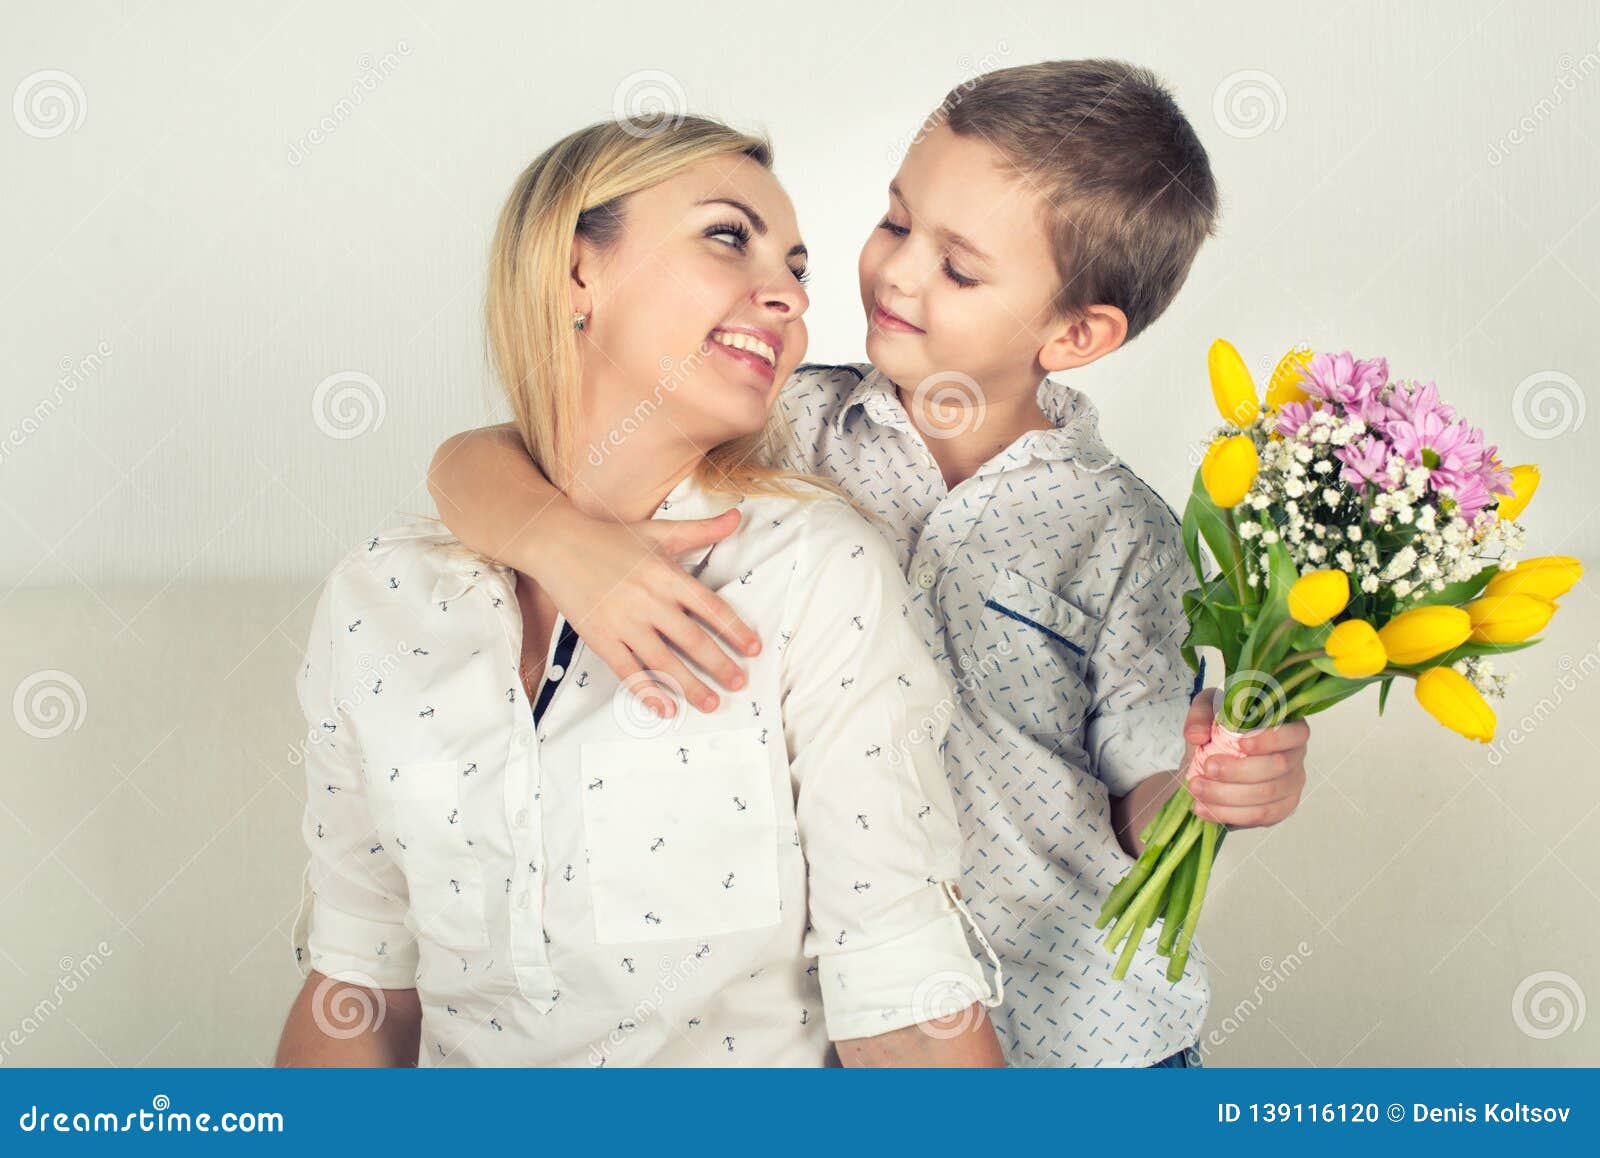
<point>630,480</point>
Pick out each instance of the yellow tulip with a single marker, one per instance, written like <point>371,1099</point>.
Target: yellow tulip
<point>1449,697</point>
<point>1284,385</point>
<point>1547,576</point>
<point>1524,481</point>
<point>1355,649</point>
<point>1508,618</point>
<point>1229,468</point>
<point>1424,632</point>
<point>1317,596</point>
<point>1231,386</point>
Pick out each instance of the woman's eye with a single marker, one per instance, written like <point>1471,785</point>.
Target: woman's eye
<point>960,279</point>
<point>740,235</point>
<point>802,276</point>
<point>891,227</point>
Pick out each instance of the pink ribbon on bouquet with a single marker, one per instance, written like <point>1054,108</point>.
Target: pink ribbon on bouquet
<point>1223,742</point>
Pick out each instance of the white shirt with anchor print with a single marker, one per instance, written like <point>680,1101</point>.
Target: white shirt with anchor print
<point>737,888</point>
<point>1049,585</point>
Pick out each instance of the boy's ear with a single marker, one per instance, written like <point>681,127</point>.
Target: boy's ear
<point>1090,334</point>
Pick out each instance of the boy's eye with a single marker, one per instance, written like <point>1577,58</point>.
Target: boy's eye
<point>891,227</point>
<point>960,279</point>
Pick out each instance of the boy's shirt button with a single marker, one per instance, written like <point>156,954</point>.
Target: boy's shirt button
<point>925,578</point>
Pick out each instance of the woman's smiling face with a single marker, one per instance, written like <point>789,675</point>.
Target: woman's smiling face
<point>703,296</point>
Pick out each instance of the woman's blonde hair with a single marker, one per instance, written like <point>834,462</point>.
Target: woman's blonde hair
<point>578,188</point>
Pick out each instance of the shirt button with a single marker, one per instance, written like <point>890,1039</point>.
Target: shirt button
<point>557,672</point>
<point>523,899</point>
<point>926,578</point>
<point>519,740</point>
<point>521,817</point>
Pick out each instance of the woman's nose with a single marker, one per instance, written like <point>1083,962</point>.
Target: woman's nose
<point>789,300</point>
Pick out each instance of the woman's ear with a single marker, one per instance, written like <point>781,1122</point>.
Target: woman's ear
<point>580,277</point>
<point>1090,334</point>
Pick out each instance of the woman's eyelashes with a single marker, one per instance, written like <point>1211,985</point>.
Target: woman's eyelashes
<point>950,271</point>
<point>740,232</point>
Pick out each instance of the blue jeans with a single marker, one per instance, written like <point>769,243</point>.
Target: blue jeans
<point>1184,1059</point>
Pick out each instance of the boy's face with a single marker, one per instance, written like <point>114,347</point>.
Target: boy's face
<point>963,261</point>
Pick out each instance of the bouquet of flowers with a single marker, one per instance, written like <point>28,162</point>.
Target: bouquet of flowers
<point>1364,533</point>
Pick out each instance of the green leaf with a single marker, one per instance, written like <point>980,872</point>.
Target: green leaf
<point>1383,693</point>
<point>1272,614</point>
<point>1203,519</point>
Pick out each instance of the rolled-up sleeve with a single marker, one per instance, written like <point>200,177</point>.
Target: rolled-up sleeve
<point>1141,683</point>
<point>351,922</point>
<point>865,712</point>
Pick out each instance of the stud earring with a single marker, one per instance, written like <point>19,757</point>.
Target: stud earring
<point>578,320</point>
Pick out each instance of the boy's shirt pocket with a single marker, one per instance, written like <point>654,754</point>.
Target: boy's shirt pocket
<point>1014,596</point>
<point>1033,649</point>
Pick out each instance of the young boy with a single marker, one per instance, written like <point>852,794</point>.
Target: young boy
<point>1046,215</point>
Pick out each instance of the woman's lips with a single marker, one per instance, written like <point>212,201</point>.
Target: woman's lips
<point>754,361</point>
<point>884,320</point>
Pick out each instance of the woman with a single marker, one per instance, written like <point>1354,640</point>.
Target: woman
<point>510,863</point>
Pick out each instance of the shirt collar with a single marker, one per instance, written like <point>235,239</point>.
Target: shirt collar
<point>692,499</point>
<point>462,570</point>
<point>1075,424</point>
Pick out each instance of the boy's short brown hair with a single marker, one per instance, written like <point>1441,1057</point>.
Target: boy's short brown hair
<point>1129,183</point>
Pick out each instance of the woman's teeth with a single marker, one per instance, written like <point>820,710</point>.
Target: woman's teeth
<point>746,342</point>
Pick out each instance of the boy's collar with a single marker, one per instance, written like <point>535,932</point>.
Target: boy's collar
<point>1074,437</point>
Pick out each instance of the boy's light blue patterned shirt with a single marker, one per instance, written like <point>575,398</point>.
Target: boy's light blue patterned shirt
<point>1050,584</point>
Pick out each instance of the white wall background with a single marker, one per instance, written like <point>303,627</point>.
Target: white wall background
<point>181,266</point>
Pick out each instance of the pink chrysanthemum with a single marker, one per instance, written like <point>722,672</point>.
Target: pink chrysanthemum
<point>1353,383</point>
<point>1364,461</point>
<point>1292,416</point>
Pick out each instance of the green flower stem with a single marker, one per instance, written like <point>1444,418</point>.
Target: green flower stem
<point>1208,852</point>
<point>1145,913</point>
<point>1152,890</point>
<point>1178,896</point>
<point>1157,835</point>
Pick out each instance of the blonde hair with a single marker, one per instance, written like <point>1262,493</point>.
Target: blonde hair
<point>578,187</point>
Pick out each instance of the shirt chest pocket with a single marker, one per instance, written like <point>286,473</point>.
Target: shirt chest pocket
<point>417,808</point>
<point>1037,634</point>
<point>682,835</point>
